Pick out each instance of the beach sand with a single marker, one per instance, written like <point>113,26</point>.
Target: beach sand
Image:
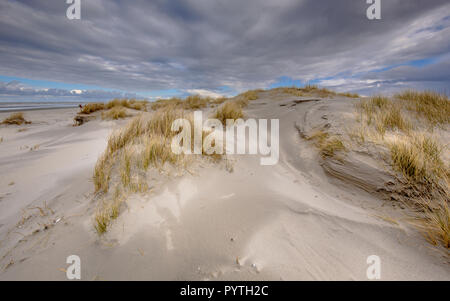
<point>291,221</point>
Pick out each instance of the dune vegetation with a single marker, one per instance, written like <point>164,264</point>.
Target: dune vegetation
<point>328,145</point>
<point>229,110</point>
<point>192,102</point>
<point>115,113</point>
<point>139,105</point>
<point>405,125</point>
<point>16,119</point>
<point>312,90</point>
<point>144,145</point>
<point>92,107</point>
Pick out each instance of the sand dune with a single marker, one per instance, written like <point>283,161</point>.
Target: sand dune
<point>291,221</point>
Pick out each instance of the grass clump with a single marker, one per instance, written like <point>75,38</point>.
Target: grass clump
<point>433,106</point>
<point>328,145</point>
<point>108,211</point>
<point>418,158</point>
<point>195,102</point>
<point>192,102</point>
<point>250,95</point>
<point>92,107</point>
<point>173,102</point>
<point>229,110</point>
<point>434,221</point>
<point>115,113</point>
<point>135,144</point>
<point>157,152</point>
<point>15,118</point>
<point>138,105</point>
<point>218,101</point>
<point>293,91</point>
<point>384,114</point>
<point>102,173</point>
<point>349,95</point>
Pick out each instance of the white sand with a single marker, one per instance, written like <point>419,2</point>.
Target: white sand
<point>290,221</point>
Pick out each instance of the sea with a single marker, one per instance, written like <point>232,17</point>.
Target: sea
<point>27,106</point>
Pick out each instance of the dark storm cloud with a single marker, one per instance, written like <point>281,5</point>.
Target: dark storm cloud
<point>149,45</point>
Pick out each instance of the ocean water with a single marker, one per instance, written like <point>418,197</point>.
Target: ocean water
<point>26,106</point>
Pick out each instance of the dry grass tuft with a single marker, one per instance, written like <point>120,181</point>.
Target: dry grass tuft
<point>250,95</point>
<point>433,106</point>
<point>92,107</point>
<point>434,221</point>
<point>173,102</point>
<point>192,102</point>
<point>139,105</point>
<point>151,134</point>
<point>116,104</point>
<point>293,91</point>
<point>415,153</point>
<point>328,145</point>
<point>309,90</point>
<point>115,113</point>
<point>218,101</point>
<point>108,211</point>
<point>418,158</point>
<point>229,110</point>
<point>15,118</point>
<point>195,102</point>
<point>102,173</point>
<point>384,114</point>
<point>349,95</point>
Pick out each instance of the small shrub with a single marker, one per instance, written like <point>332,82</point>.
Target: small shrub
<point>15,118</point>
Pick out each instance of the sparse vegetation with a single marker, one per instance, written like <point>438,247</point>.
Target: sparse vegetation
<point>328,144</point>
<point>143,143</point>
<point>384,113</point>
<point>136,143</point>
<point>414,152</point>
<point>229,110</point>
<point>418,158</point>
<point>115,113</point>
<point>434,107</point>
<point>138,105</point>
<point>309,90</point>
<point>434,221</point>
<point>195,102</point>
<point>173,102</point>
<point>15,118</point>
<point>250,95</point>
<point>192,102</point>
<point>92,107</point>
<point>349,95</point>
<point>218,101</point>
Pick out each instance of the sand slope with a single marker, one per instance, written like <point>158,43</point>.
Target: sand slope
<point>291,221</point>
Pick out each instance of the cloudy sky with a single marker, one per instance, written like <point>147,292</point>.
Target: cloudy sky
<point>161,48</point>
